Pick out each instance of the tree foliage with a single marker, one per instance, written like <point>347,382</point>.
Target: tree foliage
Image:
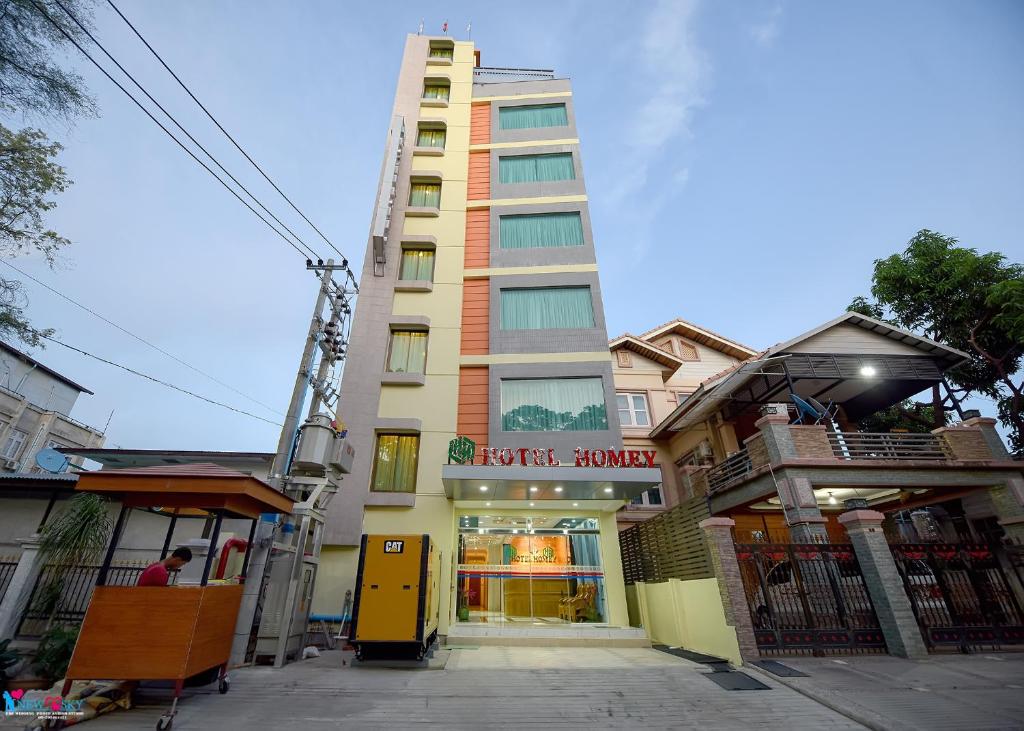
<point>969,300</point>
<point>34,85</point>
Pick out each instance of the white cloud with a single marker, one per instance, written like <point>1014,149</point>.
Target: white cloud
<point>765,32</point>
<point>676,70</point>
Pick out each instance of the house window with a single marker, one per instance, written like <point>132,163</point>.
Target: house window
<point>440,92</point>
<point>624,359</point>
<point>408,351</point>
<point>546,308</point>
<point>425,195</point>
<point>553,404</point>
<point>649,497</point>
<point>531,116</point>
<point>681,396</point>
<point>394,463</point>
<point>540,230</point>
<point>441,52</point>
<point>15,442</point>
<point>431,137</point>
<point>632,409</point>
<point>544,168</point>
<point>417,264</point>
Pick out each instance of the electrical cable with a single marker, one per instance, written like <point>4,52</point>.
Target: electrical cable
<point>139,338</point>
<point>155,380</point>
<point>170,134</point>
<point>171,117</point>
<point>221,128</point>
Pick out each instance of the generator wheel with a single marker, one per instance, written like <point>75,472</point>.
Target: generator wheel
<point>224,685</point>
<point>164,723</point>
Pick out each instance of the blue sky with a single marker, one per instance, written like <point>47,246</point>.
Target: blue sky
<point>746,163</point>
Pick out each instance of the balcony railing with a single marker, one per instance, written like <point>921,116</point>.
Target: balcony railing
<point>868,445</point>
<point>733,469</point>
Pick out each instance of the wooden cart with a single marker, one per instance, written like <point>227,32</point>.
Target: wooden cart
<point>168,632</point>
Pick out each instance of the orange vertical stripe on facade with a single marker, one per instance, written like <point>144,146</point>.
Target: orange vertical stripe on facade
<point>478,238</point>
<point>475,316</point>
<point>480,124</point>
<point>472,418</point>
<point>479,185</point>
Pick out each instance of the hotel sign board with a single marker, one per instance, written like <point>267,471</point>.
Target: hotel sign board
<point>462,450</point>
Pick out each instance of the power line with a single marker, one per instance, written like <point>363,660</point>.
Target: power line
<point>137,337</point>
<point>170,134</point>
<point>155,380</point>
<point>178,125</point>
<point>221,127</point>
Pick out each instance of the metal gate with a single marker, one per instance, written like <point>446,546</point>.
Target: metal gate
<point>808,599</point>
<point>960,595</point>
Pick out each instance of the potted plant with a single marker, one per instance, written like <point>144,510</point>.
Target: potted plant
<point>463,613</point>
<point>54,653</point>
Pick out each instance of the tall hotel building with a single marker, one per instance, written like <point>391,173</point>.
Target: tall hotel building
<point>480,317</point>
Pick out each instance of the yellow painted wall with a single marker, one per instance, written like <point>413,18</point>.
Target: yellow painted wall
<point>687,614</point>
<point>336,575</point>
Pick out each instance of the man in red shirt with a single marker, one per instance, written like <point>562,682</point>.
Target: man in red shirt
<point>158,573</point>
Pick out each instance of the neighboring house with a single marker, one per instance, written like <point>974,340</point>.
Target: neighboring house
<point>35,412</point>
<point>29,499</point>
<point>654,372</point>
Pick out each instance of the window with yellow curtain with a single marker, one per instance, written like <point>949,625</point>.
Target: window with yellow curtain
<point>408,353</point>
<point>425,195</point>
<point>394,464</point>
<point>436,91</point>
<point>417,265</point>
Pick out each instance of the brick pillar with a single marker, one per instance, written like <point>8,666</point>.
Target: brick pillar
<point>718,534</point>
<point>995,443</point>
<point>806,523</point>
<point>892,605</point>
<point>19,590</point>
<point>1008,502</point>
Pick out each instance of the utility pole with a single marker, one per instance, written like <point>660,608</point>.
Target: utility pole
<point>330,335</point>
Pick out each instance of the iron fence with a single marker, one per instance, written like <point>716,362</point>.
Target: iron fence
<point>960,595</point>
<point>731,470</point>
<point>870,445</point>
<point>808,599</point>
<point>7,566</point>
<point>62,595</point>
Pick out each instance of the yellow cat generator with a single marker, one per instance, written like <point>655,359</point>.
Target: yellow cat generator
<point>395,610</point>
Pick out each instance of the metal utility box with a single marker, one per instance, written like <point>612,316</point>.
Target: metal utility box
<point>395,611</point>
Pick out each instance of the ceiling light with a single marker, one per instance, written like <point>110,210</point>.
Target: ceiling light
<point>565,530</point>
<point>515,530</point>
<point>487,504</point>
<point>832,499</point>
<point>533,488</point>
<point>575,505</point>
<point>607,489</point>
<point>558,489</point>
<point>479,530</point>
<point>867,371</point>
<point>532,504</point>
<point>483,488</point>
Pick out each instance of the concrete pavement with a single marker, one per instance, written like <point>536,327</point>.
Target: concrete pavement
<point>980,691</point>
<point>487,688</point>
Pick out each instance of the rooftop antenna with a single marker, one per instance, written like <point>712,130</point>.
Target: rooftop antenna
<point>419,33</point>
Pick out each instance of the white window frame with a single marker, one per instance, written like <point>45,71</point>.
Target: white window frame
<point>632,410</point>
<point>645,498</point>
<point>18,445</point>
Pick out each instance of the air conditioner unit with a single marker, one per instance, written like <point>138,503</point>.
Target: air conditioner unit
<point>9,464</point>
<point>703,452</point>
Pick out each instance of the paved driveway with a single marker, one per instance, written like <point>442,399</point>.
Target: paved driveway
<point>488,688</point>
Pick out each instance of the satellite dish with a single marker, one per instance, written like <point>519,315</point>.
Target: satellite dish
<point>51,460</point>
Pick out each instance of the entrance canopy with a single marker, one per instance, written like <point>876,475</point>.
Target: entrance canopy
<point>491,482</point>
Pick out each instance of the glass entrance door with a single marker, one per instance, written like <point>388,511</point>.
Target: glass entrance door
<point>529,570</point>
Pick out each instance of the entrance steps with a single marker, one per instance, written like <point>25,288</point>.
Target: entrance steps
<point>536,635</point>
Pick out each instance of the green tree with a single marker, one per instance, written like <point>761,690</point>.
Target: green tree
<point>33,85</point>
<point>969,300</point>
